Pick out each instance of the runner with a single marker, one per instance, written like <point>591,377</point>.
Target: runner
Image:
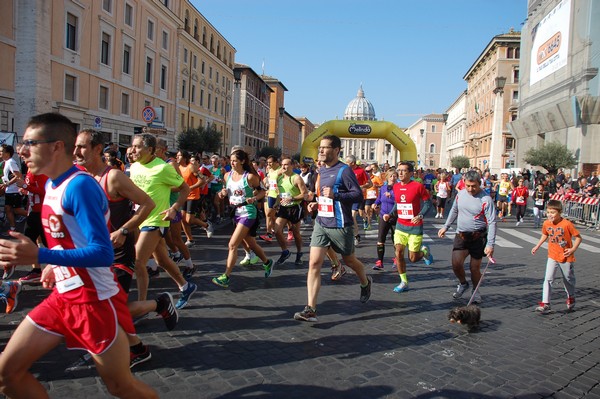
<point>409,226</point>
<point>292,192</point>
<point>338,190</point>
<point>87,309</point>
<point>384,203</point>
<point>271,203</point>
<point>242,186</point>
<point>156,178</point>
<point>359,206</point>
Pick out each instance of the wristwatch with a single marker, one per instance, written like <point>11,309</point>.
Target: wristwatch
<point>124,231</point>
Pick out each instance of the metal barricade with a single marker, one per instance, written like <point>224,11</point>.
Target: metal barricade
<point>585,211</point>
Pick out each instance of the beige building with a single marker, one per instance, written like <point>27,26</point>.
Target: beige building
<point>205,74</point>
<point>560,85</point>
<point>492,101</point>
<point>454,132</point>
<point>426,133</point>
<point>254,110</point>
<point>100,63</point>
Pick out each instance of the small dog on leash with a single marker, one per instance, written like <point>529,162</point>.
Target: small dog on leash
<point>465,315</point>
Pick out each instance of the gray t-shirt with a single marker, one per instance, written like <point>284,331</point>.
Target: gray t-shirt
<point>474,213</point>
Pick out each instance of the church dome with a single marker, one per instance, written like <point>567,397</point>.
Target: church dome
<point>360,108</point>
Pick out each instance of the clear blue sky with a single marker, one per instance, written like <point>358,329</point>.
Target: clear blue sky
<point>409,55</point>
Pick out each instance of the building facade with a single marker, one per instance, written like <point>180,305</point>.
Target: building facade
<point>100,63</point>
<point>454,132</point>
<point>491,102</point>
<point>426,133</point>
<point>559,85</point>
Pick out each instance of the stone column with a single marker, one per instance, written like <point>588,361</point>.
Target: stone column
<point>33,77</point>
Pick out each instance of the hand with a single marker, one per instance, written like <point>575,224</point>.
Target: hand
<point>569,251</point>
<point>117,238</point>
<point>312,206</point>
<point>48,279</point>
<point>386,217</point>
<point>534,250</point>
<point>170,214</point>
<point>489,252</point>
<point>327,192</point>
<point>416,220</point>
<point>442,232</point>
<point>223,193</point>
<point>20,251</point>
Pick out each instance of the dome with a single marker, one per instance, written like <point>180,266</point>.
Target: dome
<point>360,108</point>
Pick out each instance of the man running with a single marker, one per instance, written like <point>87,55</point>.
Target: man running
<point>155,177</point>
<point>338,190</point>
<point>409,226</point>
<point>87,309</point>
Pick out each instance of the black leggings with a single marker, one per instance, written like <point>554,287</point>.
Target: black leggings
<point>520,212</point>
<point>385,228</point>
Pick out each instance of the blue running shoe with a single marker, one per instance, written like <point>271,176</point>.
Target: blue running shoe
<point>427,256</point>
<point>186,295</point>
<point>401,287</point>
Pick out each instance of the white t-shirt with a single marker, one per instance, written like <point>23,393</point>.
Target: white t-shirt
<point>10,167</point>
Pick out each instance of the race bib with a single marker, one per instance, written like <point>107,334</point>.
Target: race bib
<point>66,278</point>
<point>287,196</point>
<point>520,200</point>
<point>405,211</point>
<point>371,194</point>
<point>539,201</point>
<point>326,207</point>
<point>236,200</point>
<point>272,184</point>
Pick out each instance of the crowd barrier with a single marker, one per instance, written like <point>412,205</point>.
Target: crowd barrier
<point>580,210</point>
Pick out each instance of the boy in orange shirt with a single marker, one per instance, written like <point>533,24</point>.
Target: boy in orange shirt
<point>563,240</point>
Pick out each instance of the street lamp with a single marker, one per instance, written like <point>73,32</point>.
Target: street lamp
<point>280,130</point>
<point>236,134</point>
<point>444,143</point>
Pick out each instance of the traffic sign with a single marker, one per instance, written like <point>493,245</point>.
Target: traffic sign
<point>97,122</point>
<point>148,114</point>
<point>484,161</point>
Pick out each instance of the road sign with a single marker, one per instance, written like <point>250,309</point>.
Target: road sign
<point>485,161</point>
<point>97,122</point>
<point>148,114</point>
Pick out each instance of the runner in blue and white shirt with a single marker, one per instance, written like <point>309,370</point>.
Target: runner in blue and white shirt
<point>337,190</point>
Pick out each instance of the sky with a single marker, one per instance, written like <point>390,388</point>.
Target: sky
<point>409,55</point>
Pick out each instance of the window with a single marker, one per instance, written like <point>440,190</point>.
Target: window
<point>202,97</point>
<point>105,49</point>
<point>150,30</point>
<point>216,103</point>
<point>70,88</point>
<point>203,65</point>
<point>71,34</point>
<point>208,103</point>
<point>210,72</point>
<point>103,101</point>
<point>128,15</point>
<point>217,78</point>
<point>126,59</point>
<point>107,5</point>
<point>515,76</point>
<point>146,103</point>
<point>433,129</point>
<point>195,63</point>
<point>163,77</point>
<point>193,93</point>
<point>162,113</point>
<point>432,148</point>
<point>183,86</point>
<point>125,104</point>
<point>515,95</point>
<point>166,3</point>
<point>510,143</point>
<point>165,40</point>
<point>182,121</point>
<point>148,70</point>
<point>510,52</point>
<point>185,52</point>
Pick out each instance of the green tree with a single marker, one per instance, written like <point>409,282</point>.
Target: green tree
<point>266,151</point>
<point>460,162</point>
<point>201,139</point>
<point>551,157</point>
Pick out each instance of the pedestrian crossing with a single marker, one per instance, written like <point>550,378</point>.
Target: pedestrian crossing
<point>508,238</point>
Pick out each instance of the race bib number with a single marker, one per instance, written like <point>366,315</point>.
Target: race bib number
<point>235,200</point>
<point>503,191</point>
<point>371,194</point>
<point>539,201</point>
<point>272,184</point>
<point>520,200</point>
<point>405,211</point>
<point>285,196</point>
<point>66,278</point>
<point>326,207</point>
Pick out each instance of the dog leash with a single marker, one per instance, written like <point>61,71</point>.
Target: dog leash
<point>490,260</point>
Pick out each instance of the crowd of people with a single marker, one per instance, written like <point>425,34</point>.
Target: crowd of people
<point>94,222</point>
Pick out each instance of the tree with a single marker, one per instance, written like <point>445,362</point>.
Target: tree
<point>460,162</point>
<point>267,151</point>
<point>551,157</point>
<point>201,139</point>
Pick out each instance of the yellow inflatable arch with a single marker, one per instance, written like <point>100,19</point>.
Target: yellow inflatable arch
<point>360,130</point>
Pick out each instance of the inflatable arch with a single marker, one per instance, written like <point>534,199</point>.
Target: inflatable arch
<point>357,130</point>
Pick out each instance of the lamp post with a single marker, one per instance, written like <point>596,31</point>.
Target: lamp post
<point>422,131</point>
<point>236,134</point>
<point>496,149</point>
<point>444,144</point>
<point>280,129</point>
